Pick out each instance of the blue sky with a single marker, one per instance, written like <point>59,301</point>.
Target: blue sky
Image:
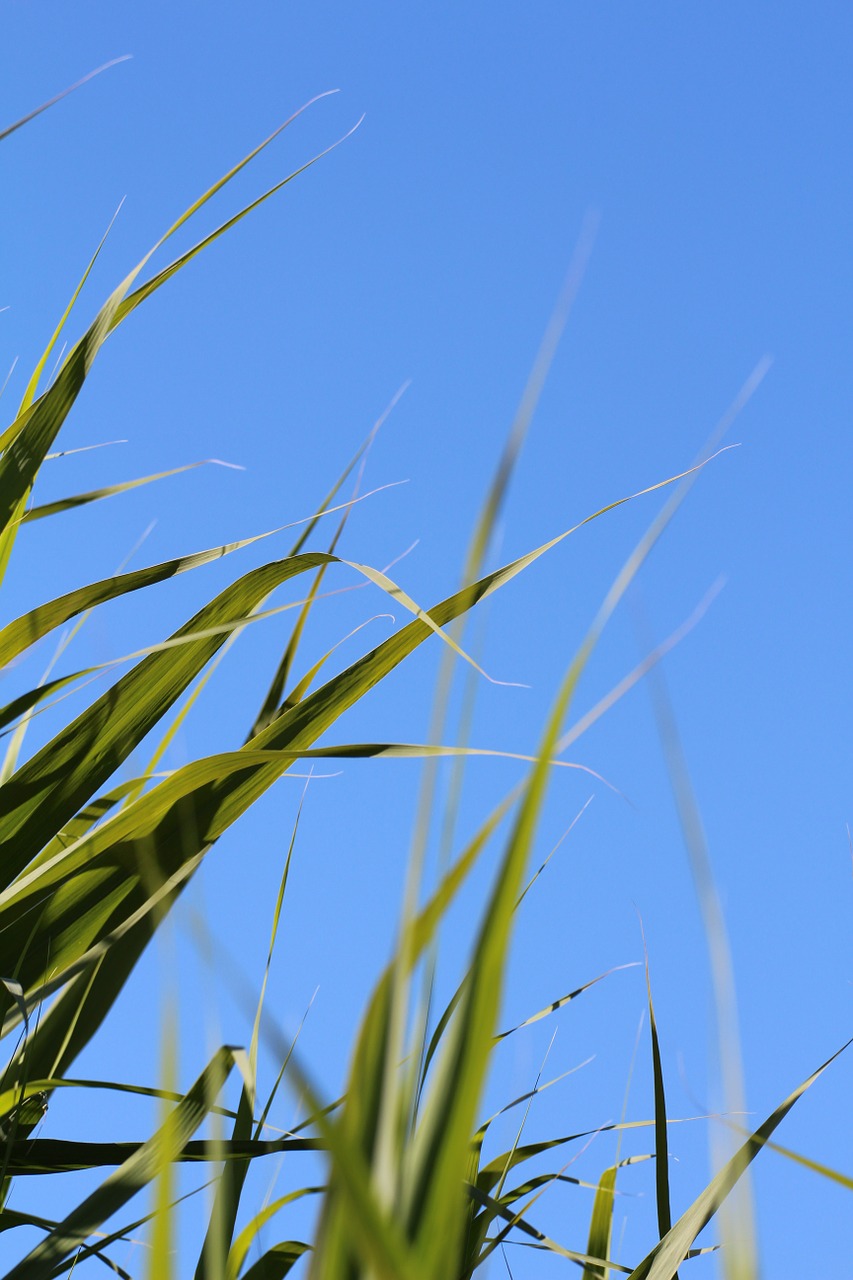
<point>712,145</point>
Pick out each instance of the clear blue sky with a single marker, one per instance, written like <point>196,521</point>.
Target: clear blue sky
<point>713,142</point>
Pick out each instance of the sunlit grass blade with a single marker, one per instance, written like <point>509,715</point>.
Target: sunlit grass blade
<point>17,636</point>
<point>163,1222</point>
<point>27,440</point>
<point>601,1225</point>
<point>98,495</point>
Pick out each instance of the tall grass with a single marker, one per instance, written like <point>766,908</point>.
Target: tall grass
<point>94,859</point>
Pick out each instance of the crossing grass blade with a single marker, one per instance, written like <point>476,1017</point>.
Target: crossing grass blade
<point>664,1260</point>
<point>88,876</point>
<point>137,1172</point>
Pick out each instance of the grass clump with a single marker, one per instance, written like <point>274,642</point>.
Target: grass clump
<point>95,857</point>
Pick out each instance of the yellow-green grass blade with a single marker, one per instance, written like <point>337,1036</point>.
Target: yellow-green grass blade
<point>27,440</point>
<point>69,1022</point>
<point>241,1246</point>
<point>439,1150</point>
<point>46,792</point>
<point>162,1235</point>
<point>823,1170</point>
<point>362,1228</point>
<point>436,1162</point>
<point>20,634</point>
<point>122,1234</point>
<point>129,1178</point>
<point>489,1175</point>
<point>17,636</point>
<point>601,1225</point>
<point>145,290</point>
<point>9,533</point>
<point>25,703</point>
<point>34,1088</point>
<point>474,562</point>
<point>34,805</point>
<point>272,702</point>
<point>76,500</point>
<point>18,124</point>
<point>139,821</point>
<point>664,1260</point>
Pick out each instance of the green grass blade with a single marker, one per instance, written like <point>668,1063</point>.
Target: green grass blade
<point>98,495</point>
<point>664,1210</point>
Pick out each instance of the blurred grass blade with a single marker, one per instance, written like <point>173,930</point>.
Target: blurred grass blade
<point>601,1225</point>
<point>97,495</point>
<point>10,128</point>
<point>162,1237</point>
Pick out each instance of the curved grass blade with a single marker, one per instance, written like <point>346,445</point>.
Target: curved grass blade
<point>98,495</point>
<point>10,128</point>
<point>27,440</point>
<point>19,635</point>
<point>277,1262</point>
<point>290,1250</point>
